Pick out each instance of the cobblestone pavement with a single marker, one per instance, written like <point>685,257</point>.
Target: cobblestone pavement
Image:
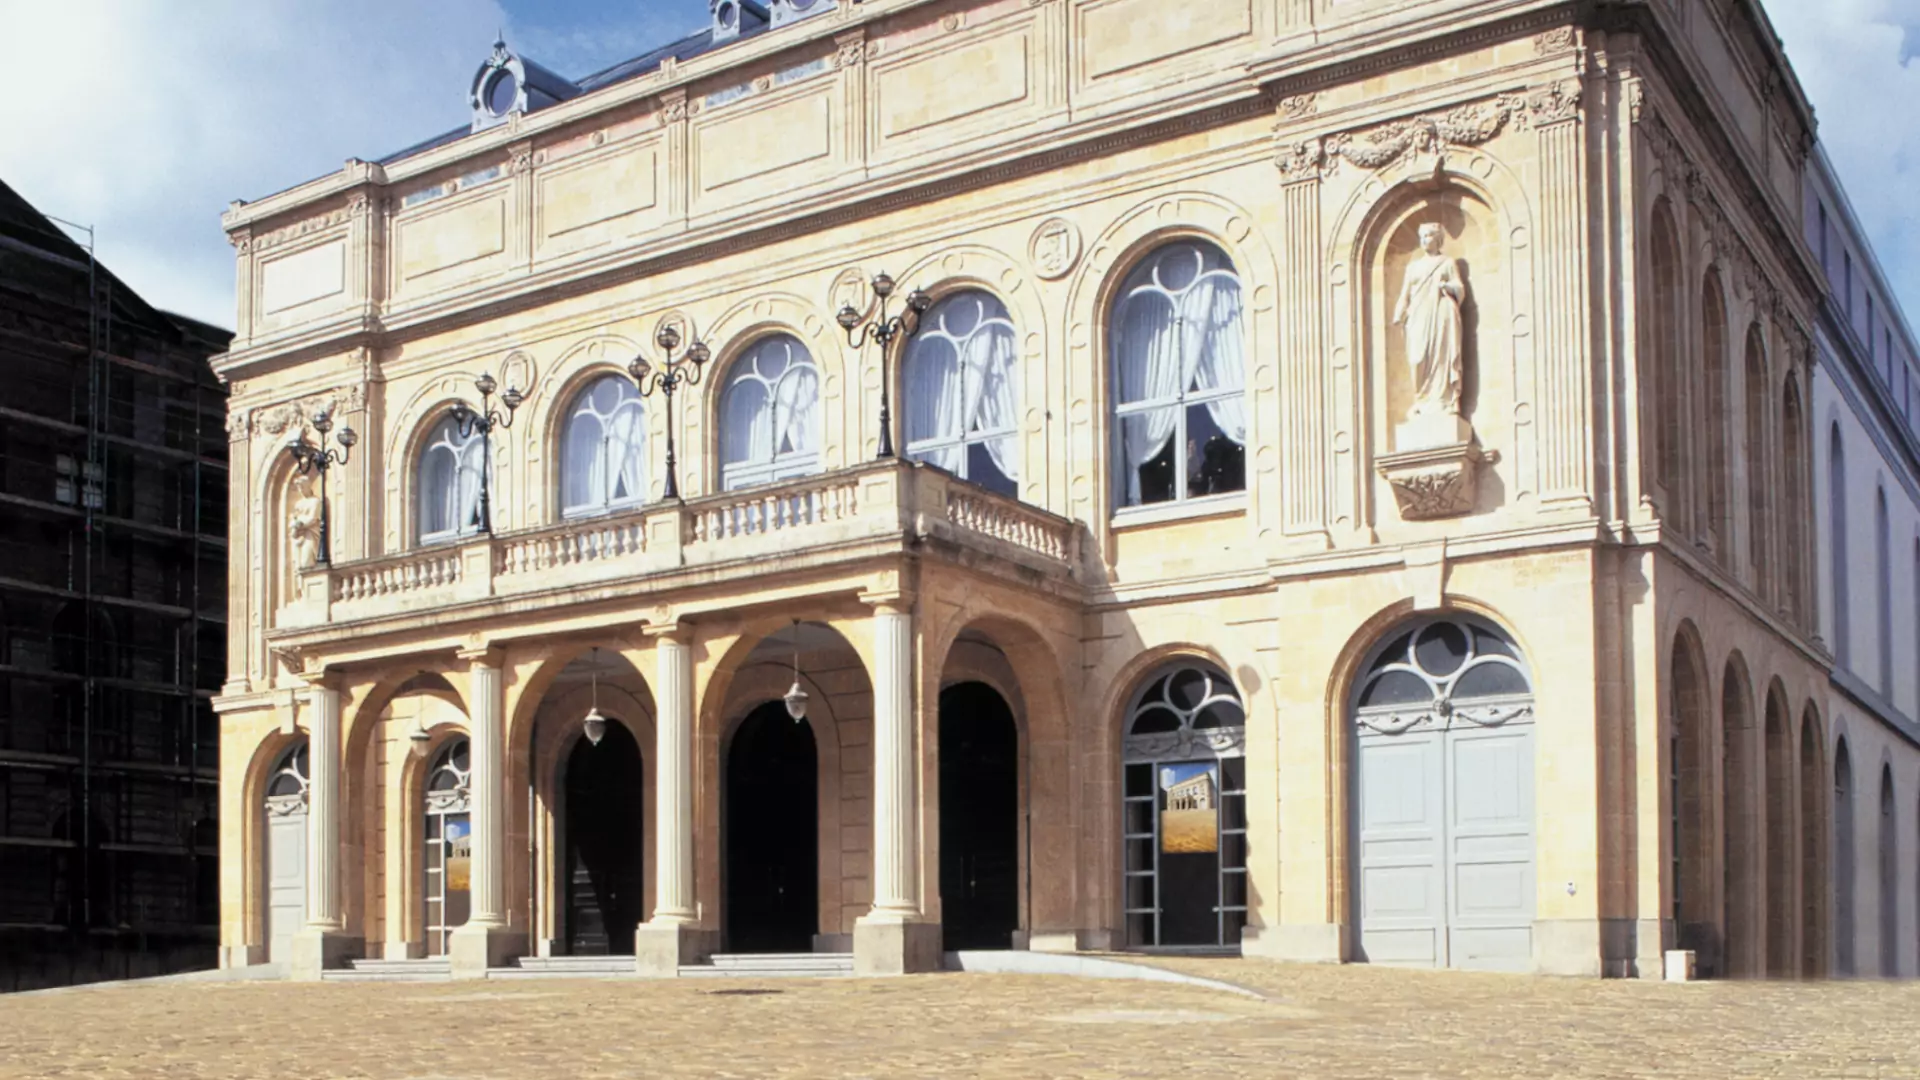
<point>1309,1022</point>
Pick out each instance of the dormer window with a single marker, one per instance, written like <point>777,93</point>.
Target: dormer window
<point>509,83</point>
<point>734,18</point>
<point>791,11</point>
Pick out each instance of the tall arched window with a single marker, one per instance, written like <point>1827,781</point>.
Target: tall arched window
<point>1837,544</point>
<point>1713,349</point>
<point>770,414</point>
<point>1664,360</point>
<point>603,455</point>
<point>1184,825</point>
<point>962,394</point>
<point>449,845</point>
<point>1794,516</point>
<point>1883,570</point>
<point>449,482</point>
<point>1759,472</point>
<point>1179,377</point>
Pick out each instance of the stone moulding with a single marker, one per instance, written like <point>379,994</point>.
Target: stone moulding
<point>1436,483</point>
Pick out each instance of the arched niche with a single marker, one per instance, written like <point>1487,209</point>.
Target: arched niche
<point>1481,248</point>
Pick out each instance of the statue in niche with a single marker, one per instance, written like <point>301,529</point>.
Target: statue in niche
<point>303,521</point>
<point>1429,310</point>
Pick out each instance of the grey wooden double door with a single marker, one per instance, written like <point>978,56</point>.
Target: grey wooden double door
<point>1444,811</point>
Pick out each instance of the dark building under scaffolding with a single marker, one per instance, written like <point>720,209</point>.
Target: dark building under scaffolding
<point>113,511</point>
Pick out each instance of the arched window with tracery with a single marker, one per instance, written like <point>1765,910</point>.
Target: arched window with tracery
<point>1714,419</point>
<point>446,868</point>
<point>1795,514</point>
<point>1664,360</point>
<point>1184,809</point>
<point>1837,540</point>
<point>1178,361</point>
<point>603,452</point>
<point>1758,454</point>
<point>770,414</point>
<point>962,391</point>
<point>448,479</point>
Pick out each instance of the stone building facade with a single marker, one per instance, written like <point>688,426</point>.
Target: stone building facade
<point>1396,409</point>
<point>1866,507</point>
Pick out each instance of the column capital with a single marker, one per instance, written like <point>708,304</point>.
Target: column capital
<point>678,631</point>
<point>482,655</point>
<point>318,678</point>
<point>889,601</point>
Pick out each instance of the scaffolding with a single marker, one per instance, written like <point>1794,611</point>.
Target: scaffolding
<point>112,596</point>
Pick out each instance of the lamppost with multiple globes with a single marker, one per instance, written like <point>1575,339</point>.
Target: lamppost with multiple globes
<point>484,420</point>
<point>883,331</point>
<point>309,459</point>
<point>669,377</point>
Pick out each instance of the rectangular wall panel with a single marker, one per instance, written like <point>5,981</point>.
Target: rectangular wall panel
<point>303,277</point>
<point>931,90</point>
<point>443,240</point>
<point>759,142</point>
<point>574,197</point>
<point>1123,35</point>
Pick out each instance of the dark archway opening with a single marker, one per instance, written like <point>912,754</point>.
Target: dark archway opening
<point>772,834</point>
<point>979,819</point>
<point>604,837</point>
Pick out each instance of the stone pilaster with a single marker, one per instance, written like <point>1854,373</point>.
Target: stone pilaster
<point>894,938</point>
<point>672,937</point>
<point>485,941</point>
<point>323,942</point>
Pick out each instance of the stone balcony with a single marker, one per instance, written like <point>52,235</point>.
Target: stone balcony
<point>871,512</point>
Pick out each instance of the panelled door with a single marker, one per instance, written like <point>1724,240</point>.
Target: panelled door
<point>1444,804</point>
<point>286,869</point>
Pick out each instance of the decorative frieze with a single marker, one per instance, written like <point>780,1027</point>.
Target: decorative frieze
<point>1463,126</point>
<point>1436,483</point>
<point>277,419</point>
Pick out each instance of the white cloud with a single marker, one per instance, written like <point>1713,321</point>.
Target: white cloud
<point>145,118</point>
<point>1852,60</point>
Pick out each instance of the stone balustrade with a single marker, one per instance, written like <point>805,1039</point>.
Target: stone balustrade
<point>855,512</point>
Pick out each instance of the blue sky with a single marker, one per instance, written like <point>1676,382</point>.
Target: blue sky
<point>144,118</point>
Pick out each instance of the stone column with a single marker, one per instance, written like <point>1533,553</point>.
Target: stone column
<point>485,941</point>
<point>672,937</point>
<point>895,938</point>
<point>322,943</point>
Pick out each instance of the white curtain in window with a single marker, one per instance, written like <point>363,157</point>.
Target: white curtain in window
<point>960,384</point>
<point>604,451</point>
<point>449,481</point>
<point>1147,362</point>
<point>1211,310</point>
<point>770,415</point>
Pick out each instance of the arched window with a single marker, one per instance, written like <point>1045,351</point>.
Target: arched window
<point>962,396</point>
<point>1759,472</point>
<point>770,415</point>
<point>1664,359</point>
<point>1883,570</point>
<point>1179,377</point>
<point>1184,824</point>
<point>603,453</point>
<point>1794,515</point>
<point>1837,544</point>
<point>1713,349</point>
<point>449,481</point>
<point>449,845</point>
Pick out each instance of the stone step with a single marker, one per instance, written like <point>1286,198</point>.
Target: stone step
<point>771,965</point>
<point>566,967</point>
<point>431,969</point>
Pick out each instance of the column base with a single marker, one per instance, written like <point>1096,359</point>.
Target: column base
<point>472,950</point>
<point>405,950</point>
<point>660,948</point>
<point>1306,943</point>
<point>1569,947</point>
<point>891,945</point>
<point>314,951</point>
<point>237,956</point>
<point>1067,941</point>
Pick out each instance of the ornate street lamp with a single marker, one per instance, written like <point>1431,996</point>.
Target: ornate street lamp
<point>669,377</point>
<point>884,330</point>
<point>484,421</point>
<point>320,458</point>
